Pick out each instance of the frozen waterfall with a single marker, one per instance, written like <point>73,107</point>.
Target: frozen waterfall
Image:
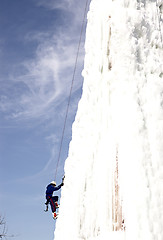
<point>114,171</point>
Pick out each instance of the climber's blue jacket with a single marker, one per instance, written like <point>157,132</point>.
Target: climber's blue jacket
<point>50,189</point>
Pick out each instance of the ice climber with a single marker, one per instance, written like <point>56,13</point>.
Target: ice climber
<point>53,200</point>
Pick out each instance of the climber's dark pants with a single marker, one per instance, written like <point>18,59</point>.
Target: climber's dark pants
<point>52,201</point>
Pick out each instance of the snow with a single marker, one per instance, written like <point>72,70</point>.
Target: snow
<point>114,170</point>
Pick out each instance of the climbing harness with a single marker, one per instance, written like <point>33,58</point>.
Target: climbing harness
<point>72,82</point>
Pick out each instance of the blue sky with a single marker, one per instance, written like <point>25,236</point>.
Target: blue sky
<point>38,44</point>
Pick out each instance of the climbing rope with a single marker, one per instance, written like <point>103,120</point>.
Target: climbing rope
<point>159,22</point>
<point>72,82</point>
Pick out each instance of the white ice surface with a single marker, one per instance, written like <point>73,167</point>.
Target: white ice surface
<point>121,108</point>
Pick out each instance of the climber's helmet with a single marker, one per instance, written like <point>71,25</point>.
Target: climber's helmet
<point>53,183</point>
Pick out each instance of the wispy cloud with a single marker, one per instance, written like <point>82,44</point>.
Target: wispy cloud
<point>59,4</point>
<point>72,6</point>
<point>49,77</point>
<point>45,80</point>
<point>51,4</point>
<point>39,87</point>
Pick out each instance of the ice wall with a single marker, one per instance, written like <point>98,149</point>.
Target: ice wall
<point>114,170</point>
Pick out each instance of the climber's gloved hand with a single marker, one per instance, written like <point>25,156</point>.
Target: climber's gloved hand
<point>62,181</point>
